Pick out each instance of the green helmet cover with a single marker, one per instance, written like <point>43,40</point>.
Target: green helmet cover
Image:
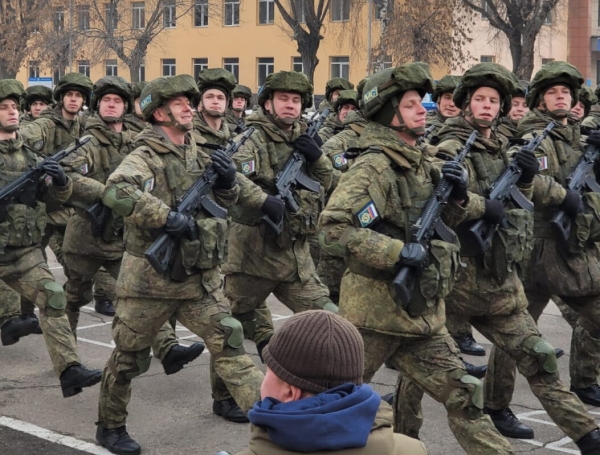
<point>287,81</point>
<point>157,92</point>
<point>36,93</point>
<point>11,88</point>
<point>337,83</point>
<point>588,98</point>
<point>241,91</point>
<point>113,85</point>
<point>346,97</point>
<point>218,78</point>
<point>136,89</point>
<point>446,84</point>
<point>73,81</point>
<point>552,74</point>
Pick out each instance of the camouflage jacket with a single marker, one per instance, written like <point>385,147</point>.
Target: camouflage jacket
<point>507,128</point>
<point>134,123</point>
<point>212,137</point>
<point>324,105</point>
<point>331,126</point>
<point>368,219</point>
<point>435,118</point>
<point>144,188</point>
<point>22,227</point>
<point>89,168</point>
<point>592,121</point>
<point>254,250</point>
<point>25,119</point>
<point>235,124</point>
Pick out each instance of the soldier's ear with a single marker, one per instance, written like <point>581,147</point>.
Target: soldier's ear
<point>268,104</point>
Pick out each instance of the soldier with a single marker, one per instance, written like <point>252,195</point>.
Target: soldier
<point>368,221</point>
<point>442,97</point>
<point>592,121</point>
<point>261,261</point>
<point>346,102</point>
<point>34,101</point>
<point>135,120</point>
<point>144,189</point>
<point>241,98</point>
<point>570,269</point>
<point>333,87</point>
<point>507,125</point>
<point>23,266</point>
<point>216,86</point>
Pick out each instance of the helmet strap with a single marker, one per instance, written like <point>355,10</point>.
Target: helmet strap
<point>185,127</point>
<point>402,128</point>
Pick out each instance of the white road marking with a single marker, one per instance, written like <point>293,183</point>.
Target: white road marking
<point>102,324</point>
<point>51,436</point>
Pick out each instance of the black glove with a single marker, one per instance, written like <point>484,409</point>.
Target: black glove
<point>414,255</point>
<point>495,212</point>
<point>572,204</point>
<point>529,164</point>
<point>274,208</point>
<point>177,223</point>
<point>318,140</point>
<point>458,175</point>
<point>594,138</point>
<point>226,170</point>
<point>55,170</point>
<point>308,147</point>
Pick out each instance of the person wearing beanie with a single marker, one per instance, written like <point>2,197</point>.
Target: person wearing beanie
<point>313,399</point>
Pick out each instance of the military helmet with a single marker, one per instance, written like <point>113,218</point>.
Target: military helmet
<point>588,98</point>
<point>359,90</point>
<point>287,81</point>
<point>73,81</point>
<point>486,75</point>
<point>156,93</point>
<point>136,89</point>
<point>522,89</point>
<point>36,93</point>
<point>114,85</point>
<point>552,74</point>
<point>337,83</point>
<point>346,97</point>
<point>392,82</point>
<point>241,91</point>
<point>597,92</point>
<point>218,78</point>
<point>446,84</point>
<point>11,88</point>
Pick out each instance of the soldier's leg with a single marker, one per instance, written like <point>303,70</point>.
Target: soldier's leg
<point>104,292</point>
<point>12,325</point>
<point>315,249</point>
<point>330,271</point>
<point>570,315</point>
<point>300,296</point>
<point>460,329</point>
<point>27,306</point>
<point>408,412</point>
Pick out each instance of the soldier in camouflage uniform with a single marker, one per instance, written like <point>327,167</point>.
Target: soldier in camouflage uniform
<point>346,102</point>
<point>23,266</point>
<point>592,121</point>
<point>216,86</point>
<point>507,124</point>
<point>570,269</point>
<point>34,101</point>
<point>143,189</point>
<point>135,120</point>
<point>368,221</point>
<point>241,97</point>
<point>442,97</point>
<point>333,87</point>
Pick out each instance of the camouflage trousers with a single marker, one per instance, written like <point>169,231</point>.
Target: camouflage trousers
<point>30,277</point>
<point>104,286</point>
<point>457,325</point>
<point>331,270</point>
<point>136,325</point>
<point>432,364</point>
<point>584,364</point>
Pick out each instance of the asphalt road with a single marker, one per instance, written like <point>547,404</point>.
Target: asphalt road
<point>173,414</point>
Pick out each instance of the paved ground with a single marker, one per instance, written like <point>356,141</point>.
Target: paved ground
<point>173,415</point>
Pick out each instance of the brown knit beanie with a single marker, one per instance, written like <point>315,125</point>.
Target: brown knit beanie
<point>316,351</point>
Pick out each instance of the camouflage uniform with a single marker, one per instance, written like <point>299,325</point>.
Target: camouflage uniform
<point>237,125</point>
<point>32,94</point>
<point>446,84</point>
<point>143,189</point>
<point>592,121</point>
<point>132,120</point>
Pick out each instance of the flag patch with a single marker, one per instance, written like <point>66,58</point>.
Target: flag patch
<point>543,160</point>
<point>367,215</point>
<point>84,169</point>
<point>339,160</point>
<point>248,167</point>
<point>149,185</point>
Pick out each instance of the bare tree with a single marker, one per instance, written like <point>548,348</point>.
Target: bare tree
<point>520,21</point>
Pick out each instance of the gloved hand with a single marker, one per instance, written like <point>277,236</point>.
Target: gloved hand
<point>529,164</point>
<point>55,170</point>
<point>226,170</point>
<point>274,208</point>
<point>495,212</point>
<point>414,255</point>
<point>177,223</point>
<point>318,140</point>
<point>572,204</point>
<point>458,175</point>
<point>594,138</point>
<point>308,147</point>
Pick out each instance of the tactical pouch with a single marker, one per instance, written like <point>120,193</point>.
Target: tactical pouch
<point>304,221</point>
<point>586,227</point>
<point>23,226</point>
<point>511,244</point>
<point>212,251</point>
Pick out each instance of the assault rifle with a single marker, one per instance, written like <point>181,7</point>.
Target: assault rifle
<point>504,190</point>
<point>582,179</point>
<point>291,176</point>
<point>428,133</point>
<point>423,231</point>
<point>24,189</point>
<point>160,253</point>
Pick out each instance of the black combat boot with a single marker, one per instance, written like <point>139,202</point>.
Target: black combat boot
<point>589,395</point>
<point>508,425</point>
<point>468,345</point>
<point>474,370</point>
<point>16,328</point>
<point>37,331</point>
<point>105,307</point>
<point>559,352</point>
<point>259,348</point>
<point>76,377</point>
<point>229,410</point>
<point>590,443</point>
<point>117,440</point>
<point>179,356</point>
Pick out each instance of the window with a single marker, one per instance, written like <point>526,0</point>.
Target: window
<point>34,69</point>
<point>233,66</point>
<point>138,15</point>
<point>83,17</point>
<point>83,67</point>
<point>297,64</point>
<point>111,16</point>
<point>487,59</point>
<point>169,14</point>
<point>201,13</point>
<point>340,67</point>
<point>142,72</point>
<point>486,7</point>
<point>168,67</point>
<point>232,12</point>
<point>199,64</point>
<point>266,66</point>
<point>57,74</point>
<point>386,62</point>
<point>59,20</point>
<point>111,68</point>
<point>266,11</point>
<point>545,61</point>
<point>340,10</point>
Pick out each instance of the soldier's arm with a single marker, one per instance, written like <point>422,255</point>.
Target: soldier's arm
<point>250,194</point>
<point>227,197</point>
<point>58,195</point>
<point>38,136</point>
<point>77,165</point>
<point>125,196</point>
<point>322,171</point>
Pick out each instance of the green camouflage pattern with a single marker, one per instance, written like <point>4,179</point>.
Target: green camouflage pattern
<point>554,73</point>
<point>11,88</point>
<point>346,97</point>
<point>331,126</point>
<point>287,81</point>
<point>522,89</point>
<point>73,81</point>
<point>337,83</point>
<point>446,84</point>
<point>243,92</point>
<point>162,89</point>
<point>217,78</point>
<point>134,123</point>
<point>136,89</point>
<point>588,98</point>
<point>36,93</point>
<point>114,85</point>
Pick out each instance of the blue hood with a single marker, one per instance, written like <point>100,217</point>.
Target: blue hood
<point>337,419</point>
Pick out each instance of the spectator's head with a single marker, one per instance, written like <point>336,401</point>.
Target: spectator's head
<point>314,351</point>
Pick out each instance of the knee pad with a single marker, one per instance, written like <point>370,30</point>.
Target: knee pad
<point>234,332</point>
<point>545,353</point>
<point>141,364</point>
<point>248,321</point>
<point>325,303</point>
<point>472,409</point>
<point>56,300</point>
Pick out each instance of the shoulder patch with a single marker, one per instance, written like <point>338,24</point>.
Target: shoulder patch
<point>38,145</point>
<point>543,160</point>
<point>148,185</point>
<point>248,167</point>
<point>367,215</point>
<point>370,95</point>
<point>339,160</point>
<point>84,169</point>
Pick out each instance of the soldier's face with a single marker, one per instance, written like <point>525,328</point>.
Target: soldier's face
<point>111,106</point>
<point>214,100</point>
<point>412,111</point>
<point>558,98</point>
<point>73,101</point>
<point>485,104</point>
<point>578,110</point>
<point>238,103</point>
<point>37,107</point>
<point>181,109</point>
<point>9,113</point>
<point>518,109</point>
<point>334,96</point>
<point>447,107</point>
<point>345,110</point>
<point>285,105</point>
